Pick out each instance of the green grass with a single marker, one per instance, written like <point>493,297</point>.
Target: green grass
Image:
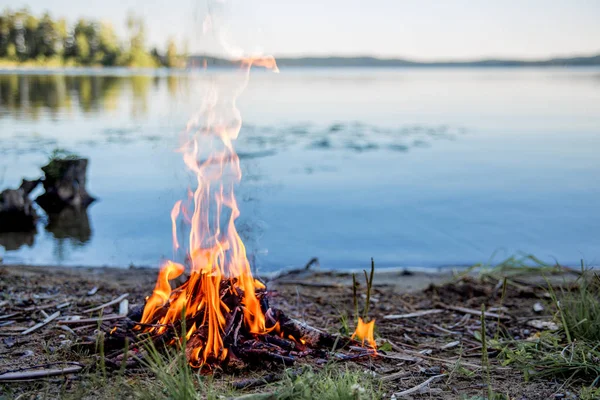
<point>573,353</point>
<point>579,309</point>
<point>549,357</point>
<point>174,379</point>
<point>513,266</point>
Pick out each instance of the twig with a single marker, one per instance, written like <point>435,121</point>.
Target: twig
<point>471,311</point>
<point>414,314</point>
<point>419,387</point>
<point>40,324</point>
<point>309,284</point>
<point>91,320</point>
<point>6,316</point>
<point>110,303</point>
<point>40,373</point>
<point>396,376</point>
<point>311,262</point>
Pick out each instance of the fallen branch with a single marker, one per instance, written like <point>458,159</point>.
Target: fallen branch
<point>419,387</point>
<point>110,303</point>
<point>414,314</point>
<point>40,324</point>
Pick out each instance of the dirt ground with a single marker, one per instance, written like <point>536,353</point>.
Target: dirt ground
<point>431,322</point>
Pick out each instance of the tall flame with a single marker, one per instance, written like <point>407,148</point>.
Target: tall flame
<point>215,251</point>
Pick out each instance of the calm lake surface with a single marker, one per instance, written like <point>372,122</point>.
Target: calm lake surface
<point>414,167</point>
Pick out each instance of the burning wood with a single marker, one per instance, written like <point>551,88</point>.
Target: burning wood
<point>220,314</point>
<point>282,340</point>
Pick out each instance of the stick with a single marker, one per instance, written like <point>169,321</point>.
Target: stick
<point>471,311</point>
<point>419,387</point>
<point>396,376</point>
<point>39,374</point>
<point>40,324</point>
<point>256,382</point>
<point>110,303</point>
<point>92,320</point>
<point>309,284</point>
<point>414,314</point>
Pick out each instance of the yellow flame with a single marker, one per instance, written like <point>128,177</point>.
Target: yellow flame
<point>365,332</point>
<point>214,254</point>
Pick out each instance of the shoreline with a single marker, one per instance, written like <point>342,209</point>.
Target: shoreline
<point>166,71</point>
<point>426,326</point>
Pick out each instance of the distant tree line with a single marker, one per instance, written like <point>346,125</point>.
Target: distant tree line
<point>27,39</point>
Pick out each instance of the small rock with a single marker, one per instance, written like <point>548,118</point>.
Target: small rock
<point>92,291</point>
<point>450,345</point>
<point>26,353</point>
<point>538,307</point>
<point>539,324</point>
<point>9,341</point>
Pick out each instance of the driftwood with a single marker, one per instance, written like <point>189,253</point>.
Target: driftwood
<point>16,209</point>
<point>64,183</point>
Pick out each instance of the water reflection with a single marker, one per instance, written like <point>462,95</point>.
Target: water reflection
<point>340,164</point>
<point>31,95</point>
<point>72,224</point>
<point>12,241</point>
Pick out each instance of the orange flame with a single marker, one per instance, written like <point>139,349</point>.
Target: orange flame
<point>364,331</point>
<point>215,249</point>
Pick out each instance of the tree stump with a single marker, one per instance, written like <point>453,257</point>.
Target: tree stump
<point>16,208</point>
<point>64,185</point>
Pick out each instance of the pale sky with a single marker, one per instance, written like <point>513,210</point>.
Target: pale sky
<point>416,29</point>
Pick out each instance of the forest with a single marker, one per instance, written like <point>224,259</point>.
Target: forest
<point>44,41</point>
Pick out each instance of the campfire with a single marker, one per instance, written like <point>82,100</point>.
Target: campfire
<point>221,312</point>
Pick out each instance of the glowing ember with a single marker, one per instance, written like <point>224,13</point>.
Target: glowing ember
<point>364,332</point>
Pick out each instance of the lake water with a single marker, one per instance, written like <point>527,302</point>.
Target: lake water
<point>414,167</point>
